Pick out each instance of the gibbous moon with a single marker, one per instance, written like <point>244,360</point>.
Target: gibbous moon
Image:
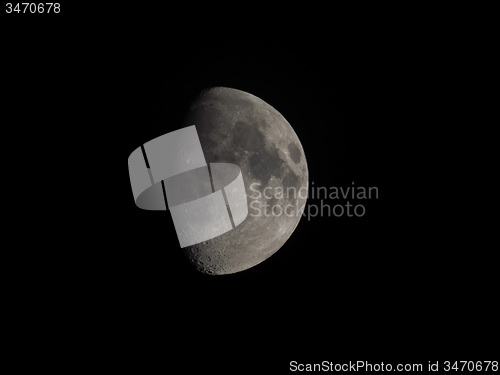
<point>239,128</point>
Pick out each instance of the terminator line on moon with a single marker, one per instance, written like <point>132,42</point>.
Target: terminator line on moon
<point>239,128</point>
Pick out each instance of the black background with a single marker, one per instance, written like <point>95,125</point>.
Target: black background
<point>87,87</point>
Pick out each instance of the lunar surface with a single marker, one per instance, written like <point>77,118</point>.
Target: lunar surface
<point>239,128</point>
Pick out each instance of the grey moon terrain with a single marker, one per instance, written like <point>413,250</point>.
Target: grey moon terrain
<point>239,128</point>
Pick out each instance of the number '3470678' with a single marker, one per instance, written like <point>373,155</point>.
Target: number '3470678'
<point>33,8</point>
<point>474,366</point>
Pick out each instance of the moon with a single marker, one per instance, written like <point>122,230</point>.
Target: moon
<point>239,128</point>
